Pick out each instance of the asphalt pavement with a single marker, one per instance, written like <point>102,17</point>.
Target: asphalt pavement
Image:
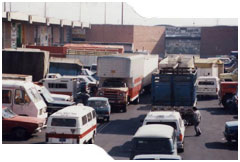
<point>115,136</point>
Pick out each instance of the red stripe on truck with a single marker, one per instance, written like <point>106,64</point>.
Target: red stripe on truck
<point>77,136</point>
<point>133,92</point>
<point>137,80</point>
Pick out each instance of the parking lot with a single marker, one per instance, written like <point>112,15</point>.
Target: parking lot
<point>115,137</point>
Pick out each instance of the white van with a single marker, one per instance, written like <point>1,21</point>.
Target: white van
<point>154,139</point>
<point>72,125</point>
<point>67,85</point>
<point>171,118</point>
<point>23,98</point>
<point>208,86</point>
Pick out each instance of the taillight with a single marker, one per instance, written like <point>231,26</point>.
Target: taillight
<point>180,137</point>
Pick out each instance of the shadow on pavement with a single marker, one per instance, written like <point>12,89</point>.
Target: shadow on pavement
<point>145,99</point>
<point>145,108</point>
<point>218,111</point>
<point>124,127</point>
<point>222,145</point>
<point>121,151</point>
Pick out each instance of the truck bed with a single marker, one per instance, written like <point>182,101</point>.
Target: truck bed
<point>174,89</point>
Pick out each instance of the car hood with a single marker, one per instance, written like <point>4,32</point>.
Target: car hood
<point>64,103</point>
<point>26,119</point>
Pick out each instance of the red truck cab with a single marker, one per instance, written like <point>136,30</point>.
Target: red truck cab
<point>19,126</point>
<point>227,90</point>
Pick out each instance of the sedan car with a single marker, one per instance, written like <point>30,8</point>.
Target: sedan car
<point>231,131</point>
<point>20,126</point>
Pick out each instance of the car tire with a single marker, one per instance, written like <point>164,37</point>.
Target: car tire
<point>92,140</point>
<point>181,150</point>
<point>20,133</point>
<point>108,118</point>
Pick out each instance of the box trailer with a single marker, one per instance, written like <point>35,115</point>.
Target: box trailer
<point>120,78</point>
<point>26,61</point>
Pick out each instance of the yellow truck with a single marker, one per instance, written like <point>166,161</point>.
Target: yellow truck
<point>233,76</point>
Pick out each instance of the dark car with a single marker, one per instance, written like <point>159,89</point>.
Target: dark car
<point>231,131</point>
<point>232,103</point>
<point>19,126</point>
<point>52,105</point>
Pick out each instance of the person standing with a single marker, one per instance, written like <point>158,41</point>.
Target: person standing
<point>196,121</point>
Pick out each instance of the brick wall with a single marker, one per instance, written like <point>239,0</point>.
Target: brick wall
<point>218,41</point>
<point>110,33</point>
<point>150,38</point>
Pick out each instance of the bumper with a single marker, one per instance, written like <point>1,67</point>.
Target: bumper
<point>207,94</point>
<point>180,145</point>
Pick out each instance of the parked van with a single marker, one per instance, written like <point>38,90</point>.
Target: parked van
<point>208,86</point>
<point>171,118</point>
<point>23,98</point>
<point>72,125</point>
<point>68,85</point>
<point>154,139</point>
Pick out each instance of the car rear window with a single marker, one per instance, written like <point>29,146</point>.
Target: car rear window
<point>161,145</point>
<point>172,124</point>
<point>62,122</point>
<point>206,83</point>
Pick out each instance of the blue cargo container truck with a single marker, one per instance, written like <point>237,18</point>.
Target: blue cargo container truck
<point>175,89</point>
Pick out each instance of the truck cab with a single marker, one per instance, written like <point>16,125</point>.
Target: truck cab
<point>23,98</point>
<point>116,91</point>
<point>227,90</point>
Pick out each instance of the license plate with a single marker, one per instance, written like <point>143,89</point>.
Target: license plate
<point>100,117</point>
<point>62,139</point>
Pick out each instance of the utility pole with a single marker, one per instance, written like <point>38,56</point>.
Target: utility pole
<point>122,13</point>
<point>45,9</point>
<point>105,14</point>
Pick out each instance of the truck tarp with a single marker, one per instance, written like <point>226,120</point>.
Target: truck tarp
<point>26,61</point>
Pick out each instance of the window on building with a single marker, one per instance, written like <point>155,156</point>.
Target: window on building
<point>6,96</point>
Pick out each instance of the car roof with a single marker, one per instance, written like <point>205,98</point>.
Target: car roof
<point>157,156</point>
<point>16,83</point>
<point>73,111</point>
<point>207,77</point>
<point>232,123</point>
<point>169,115</point>
<point>154,131</point>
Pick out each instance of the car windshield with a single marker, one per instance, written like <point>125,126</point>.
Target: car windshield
<point>97,104</point>
<point>163,146</point>
<point>34,95</point>
<point>46,94</point>
<point>7,113</point>
<point>206,83</point>
<point>113,84</point>
<point>225,60</point>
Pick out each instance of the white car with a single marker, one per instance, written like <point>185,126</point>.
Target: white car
<point>171,118</point>
<point>61,97</point>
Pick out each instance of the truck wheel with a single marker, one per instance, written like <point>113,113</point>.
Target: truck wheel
<point>20,133</point>
<point>224,100</point>
<point>137,100</point>
<point>124,109</point>
<point>92,140</point>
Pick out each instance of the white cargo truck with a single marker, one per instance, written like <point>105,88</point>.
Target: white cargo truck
<point>122,77</point>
